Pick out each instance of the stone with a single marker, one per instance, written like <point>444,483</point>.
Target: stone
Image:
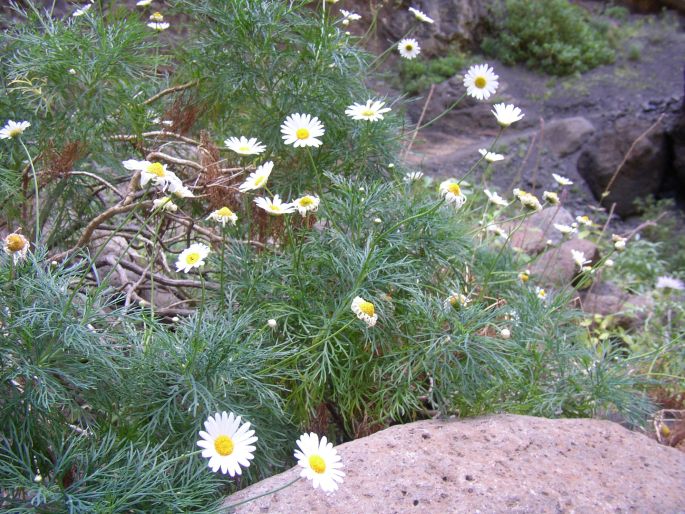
<point>494,464</point>
<point>607,299</point>
<point>677,143</point>
<point>533,234</point>
<point>640,175</point>
<point>556,267</point>
<point>654,6</point>
<point>566,136</point>
<point>456,22</point>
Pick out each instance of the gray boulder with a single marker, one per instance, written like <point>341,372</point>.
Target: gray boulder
<point>640,175</point>
<point>563,137</point>
<point>455,22</point>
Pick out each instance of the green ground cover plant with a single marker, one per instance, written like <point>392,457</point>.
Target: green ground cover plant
<point>553,36</point>
<point>297,275</point>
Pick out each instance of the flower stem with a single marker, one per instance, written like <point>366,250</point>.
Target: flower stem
<point>221,276</point>
<point>36,235</point>
<point>263,494</point>
<point>152,267</point>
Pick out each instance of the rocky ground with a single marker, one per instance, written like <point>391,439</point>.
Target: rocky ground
<point>580,127</point>
<point>502,463</point>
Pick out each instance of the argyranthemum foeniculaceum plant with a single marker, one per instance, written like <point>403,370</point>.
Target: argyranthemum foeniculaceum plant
<point>155,278</point>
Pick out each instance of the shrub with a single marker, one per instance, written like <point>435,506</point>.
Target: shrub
<point>416,76</point>
<point>550,35</point>
<point>110,361</point>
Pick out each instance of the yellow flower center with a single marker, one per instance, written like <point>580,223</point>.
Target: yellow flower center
<point>223,445</point>
<point>192,257</point>
<point>244,149</point>
<point>454,189</point>
<point>368,113</point>
<point>408,47</point>
<point>224,212</point>
<point>316,462</point>
<point>306,201</point>
<point>15,242</point>
<point>524,277</point>
<point>156,168</point>
<point>367,308</point>
<point>542,293</point>
<point>259,181</point>
<point>15,132</point>
<point>157,17</point>
<point>480,82</point>
<point>302,133</point>
<point>275,208</point>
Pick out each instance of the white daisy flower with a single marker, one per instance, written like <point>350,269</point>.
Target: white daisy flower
<point>456,300</point>
<point>408,48</point>
<point>164,204</point>
<point>302,130</point>
<point>192,257</point>
<point>495,198</point>
<point>273,324</point>
<point>158,26</point>
<point>373,110</point>
<point>16,246</point>
<point>275,206</point>
<point>306,203</point>
<point>480,81</point>
<point>579,258</point>
<point>258,178</point>
<point>244,146</point>
<point>364,310</point>
<point>412,176</point>
<point>143,3</point>
<point>490,156</point>
<point>227,443</point>
<point>670,283</point>
<point>320,462</point>
<point>565,229</point>
<point>562,181</point>
<point>452,192</point>
<point>507,114</point>
<point>609,262</point>
<point>551,197</point>
<point>540,293</point>
<point>619,242</point>
<point>505,333</point>
<point>13,129</point>
<point>82,10</point>
<point>177,188</point>
<point>349,16</point>
<point>528,200</point>
<point>223,216</point>
<point>497,230</point>
<point>153,171</point>
<point>584,220</point>
<point>420,15</point>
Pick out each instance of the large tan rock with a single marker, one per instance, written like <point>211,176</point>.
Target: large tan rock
<point>556,267</point>
<point>492,464</point>
<point>532,235</point>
